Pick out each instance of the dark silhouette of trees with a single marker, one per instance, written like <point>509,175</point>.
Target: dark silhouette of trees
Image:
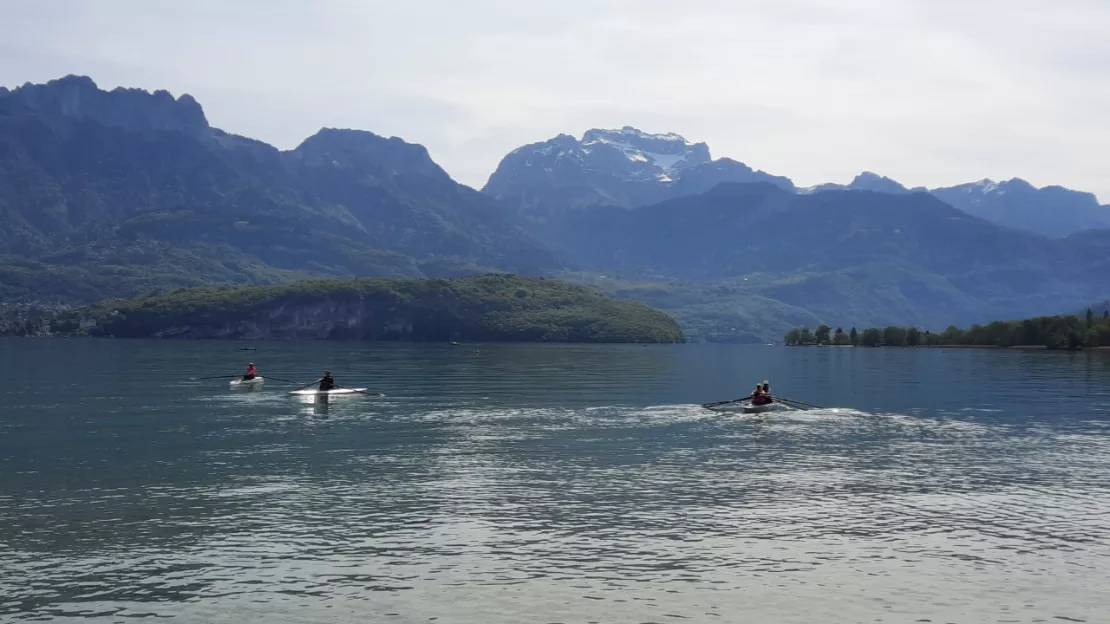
<point>1051,332</point>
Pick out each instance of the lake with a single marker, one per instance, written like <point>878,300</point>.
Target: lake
<point>552,483</point>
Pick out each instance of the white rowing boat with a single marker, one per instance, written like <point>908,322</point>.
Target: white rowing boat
<point>745,407</point>
<point>244,384</point>
<point>332,392</point>
<point>750,408</point>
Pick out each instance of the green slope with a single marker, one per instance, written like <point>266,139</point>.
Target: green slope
<point>489,308</point>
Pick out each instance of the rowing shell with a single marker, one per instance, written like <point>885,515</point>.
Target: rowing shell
<point>247,383</point>
<point>746,408</point>
<point>332,392</point>
<point>758,409</point>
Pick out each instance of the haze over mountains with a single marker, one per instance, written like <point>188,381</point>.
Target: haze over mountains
<point>118,193</point>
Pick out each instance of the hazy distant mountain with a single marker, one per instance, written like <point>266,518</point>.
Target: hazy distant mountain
<point>118,192</point>
<point>625,168</point>
<point>846,257</point>
<point>865,181</point>
<point>1052,210</point>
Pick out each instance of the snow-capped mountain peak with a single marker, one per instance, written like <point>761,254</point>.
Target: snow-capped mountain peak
<point>663,154</point>
<point>984,186</point>
<point>625,167</point>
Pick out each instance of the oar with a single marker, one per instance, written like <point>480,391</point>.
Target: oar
<point>786,400</point>
<point>285,380</point>
<point>215,377</point>
<point>719,403</point>
<point>362,391</point>
<point>790,404</point>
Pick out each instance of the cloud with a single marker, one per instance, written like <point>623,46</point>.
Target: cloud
<point>930,92</point>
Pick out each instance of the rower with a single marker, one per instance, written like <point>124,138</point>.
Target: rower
<point>758,397</point>
<point>326,382</point>
<point>251,372</point>
<point>767,388</point>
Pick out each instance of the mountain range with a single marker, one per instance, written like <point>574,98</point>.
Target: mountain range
<point>847,257</point>
<point>631,168</point>
<point>118,193</point>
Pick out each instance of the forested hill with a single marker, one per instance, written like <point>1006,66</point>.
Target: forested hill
<point>485,308</point>
<point>116,193</point>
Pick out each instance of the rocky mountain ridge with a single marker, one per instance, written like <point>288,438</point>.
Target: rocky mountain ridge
<point>115,193</point>
<point>619,168</point>
<point>625,168</point>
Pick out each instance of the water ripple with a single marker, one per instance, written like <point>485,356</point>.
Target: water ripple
<point>230,508</point>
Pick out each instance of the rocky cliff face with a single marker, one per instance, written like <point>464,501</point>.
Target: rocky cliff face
<point>77,97</point>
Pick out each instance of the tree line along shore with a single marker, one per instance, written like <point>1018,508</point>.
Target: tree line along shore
<point>1087,331</point>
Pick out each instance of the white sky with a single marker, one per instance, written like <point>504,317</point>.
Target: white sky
<point>929,92</point>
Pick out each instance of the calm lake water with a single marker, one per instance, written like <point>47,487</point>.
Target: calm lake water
<point>547,484</point>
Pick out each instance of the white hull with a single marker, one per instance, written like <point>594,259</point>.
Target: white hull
<point>332,392</point>
<point>758,409</point>
<point>247,383</point>
<point>746,408</point>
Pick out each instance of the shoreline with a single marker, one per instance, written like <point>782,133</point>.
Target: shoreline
<point>1012,347</point>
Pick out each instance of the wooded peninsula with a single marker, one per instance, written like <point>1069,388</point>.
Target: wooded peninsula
<point>1087,331</point>
<point>494,307</point>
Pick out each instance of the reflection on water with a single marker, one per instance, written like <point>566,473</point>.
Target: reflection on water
<point>555,484</point>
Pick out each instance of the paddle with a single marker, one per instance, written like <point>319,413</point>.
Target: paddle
<point>287,381</point>
<point>362,391</point>
<point>215,377</point>
<point>312,383</point>
<point>790,404</point>
<point>720,403</point>
<point>792,401</point>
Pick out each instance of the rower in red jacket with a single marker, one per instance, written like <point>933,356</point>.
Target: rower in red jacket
<point>251,372</point>
<point>758,396</point>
